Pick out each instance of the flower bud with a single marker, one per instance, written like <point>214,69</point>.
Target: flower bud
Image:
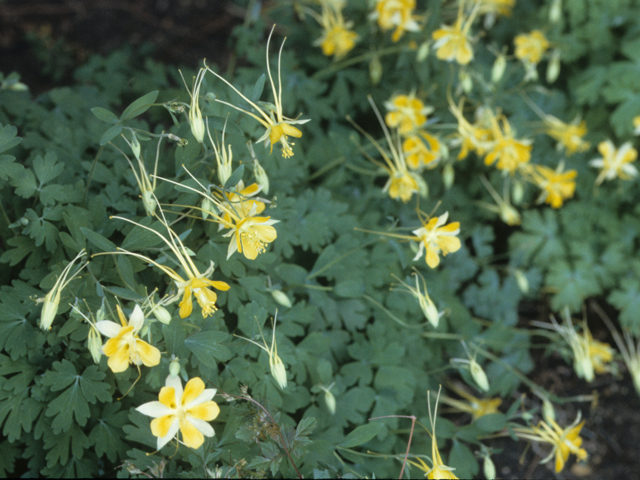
<point>521,280</point>
<point>330,401</point>
<point>553,68</point>
<point>49,310</point>
<point>548,413</point>
<point>423,51</point>
<point>135,146</point>
<point>24,221</point>
<point>94,344</point>
<point>207,208</point>
<point>149,202</point>
<point>499,66</point>
<point>478,375</point>
<point>555,11</point>
<point>174,367</point>
<point>261,176</point>
<point>375,70</point>
<point>489,468</point>
<point>517,192</point>
<point>162,314</point>
<point>280,297</point>
<point>278,371</point>
<point>448,176</point>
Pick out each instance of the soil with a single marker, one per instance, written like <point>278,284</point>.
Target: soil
<point>39,39</point>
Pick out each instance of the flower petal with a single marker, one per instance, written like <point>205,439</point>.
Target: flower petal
<point>108,328</point>
<point>171,434</point>
<point>191,436</point>
<point>202,426</point>
<point>161,426</point>
<point>120,361</point>
<point>149,355</point>
<point>137,318</point>
<point>206,411</point>
<point>192,390</point>
<point>155,409</point>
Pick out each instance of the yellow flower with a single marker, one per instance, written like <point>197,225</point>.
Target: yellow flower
<point>509,152</point>
<point>402,184</point>
<point>337,38</point>
<point>278,127</point>
<point>615,162</point>
<point>406,112</point>
<point>51,300</point>
<point>477,407</point>
<point>477,137</point>
<point>564,442</point>
<point>396,14</point>
<point>124,346</point>
<point>250,235</point>
<point>601,354</point>
<point>556,185</point>
<point>241,202</point>
<point>181,411</point>
<point>452,42</point>
<point>530,47</point>
<point>421,149</point>
<point>439,470</point>
<point>435,237</point>
<point>569,135</point>
<point>196,283</point>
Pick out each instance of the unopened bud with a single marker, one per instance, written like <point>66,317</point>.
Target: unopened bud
<point>478,375</point>
<point>517,192</point>
<point>521,280</point>
<point>208,208</point>
<point>555,12</point>
<point>423,188</point>
<point>423,52</point>
<point>548,412</point>
<point>94,344</point>
<point>278,371</point>
<point>280,297</point>
<point>489,468</point>
<point>375,70</point>
<point>466,82</point>
<point>448,176</point>
<point>553,68</point>
<point>49,311</point>
<point>149,202</point>
<point>330,401</point>
<point>174,367</point>
<point>499,66</point>
<point>18,87</point>
<point>261,176</point>
<point>162,314</point>
<point>24,221</point>
<point>135,146</point>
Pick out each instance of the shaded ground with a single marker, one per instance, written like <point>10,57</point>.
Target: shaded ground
<point>46,40</point>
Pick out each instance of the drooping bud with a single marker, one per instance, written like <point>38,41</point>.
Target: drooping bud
<point>553,68</point>
<point>280,297</point>
<point>330,401</point>
<point>94,344</point>
<point>448,176</point>
<point>478,375</point>
<point>499,66</point>
<point>489,468</point>
<point>174,367</point>
<point>135,145</point>
<point>149,202</point>
<point>375,70</point>
<point>423,51</point>
<point>555,12</point>
<point>261,176</point>
<point>466,82</point>
<point>548,413</point>
<point>278,371</point>
<point>521,280</point>
<point>517,193</point>
<point>162,314</point>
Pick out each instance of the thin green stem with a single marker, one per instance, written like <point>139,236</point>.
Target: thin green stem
<point>360,58</point>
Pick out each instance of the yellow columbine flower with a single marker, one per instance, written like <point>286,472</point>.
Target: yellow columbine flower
<point>564,442</point>
<point>439,470</point>
<point>196,283</point>
<point>421,149</point>
<point>508,151</point>
<point>530,47</point>
<point>452,42</point>
<point>278,127</point>
<point>396,14</point>
<point>569,135</point>
<point>402,184</point>
<point>337,38</point>
<point>437,238</point>
<point>556,185</point>
<point>477,137</point>
<point>124,346</point>
<point>615,162</point>
<point>278,370</point>
<point>477,407</point>
<point>51,300</point>
<point>406,112</point>
<point>181,411</point>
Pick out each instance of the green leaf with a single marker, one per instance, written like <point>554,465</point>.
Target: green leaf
<point>572,286</point>
<point>491,422</point>
<point>139,106</point>
<point>206,347</point>
<point>105,115</point>
<point>222,125</point>
<point>8,138</point>
<point>258,88</point>
<point>110,134</point>
<point>47,168</point>
<point>98,240</point>
<point>59,445</point>
<point>140,238</point>
<point>74,401</point>
<point>362,434</point>
<point>464,461</point>
<point>107,435</point>
<point>20,411</point>
<point>25,184</point>
<point>352,288</point>
<point>235,177</point>
<point>8,456</point>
